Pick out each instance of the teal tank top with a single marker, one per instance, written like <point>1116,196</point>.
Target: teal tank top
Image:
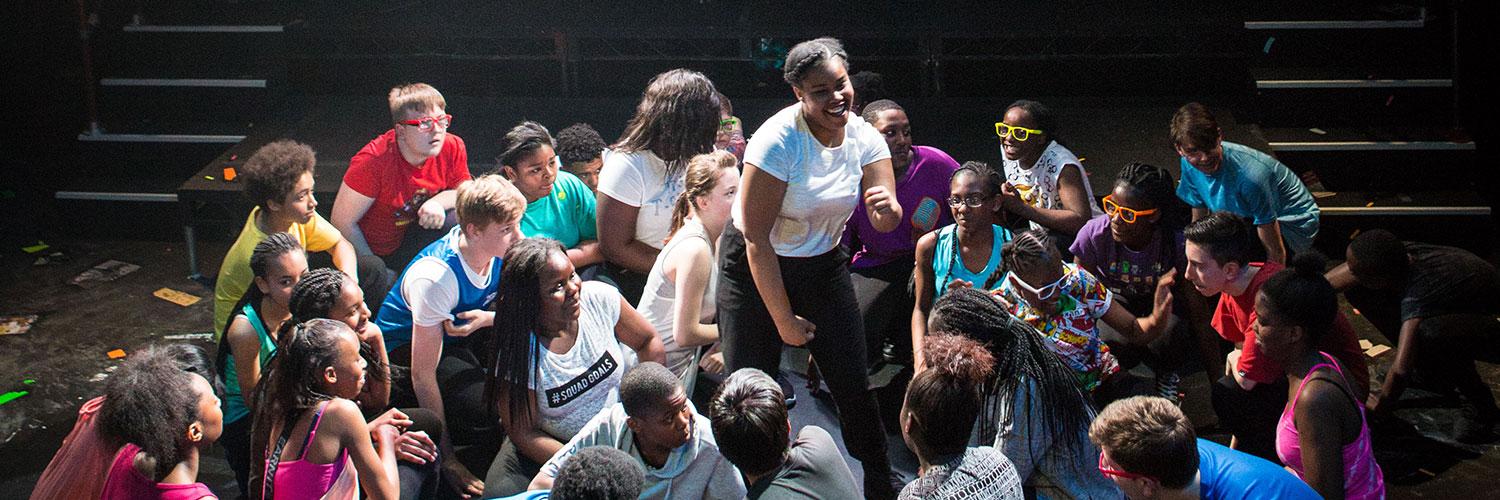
<point>948,266</point>
<point>234,402</point>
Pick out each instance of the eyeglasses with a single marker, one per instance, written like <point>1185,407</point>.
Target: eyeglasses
<point>972,201</point>
<point>1127,215</point>
<point>728,124</point>
<point>1020,133</point>
<point>428,123</point>
<point>1042,292</point>
<point>1111,471</point>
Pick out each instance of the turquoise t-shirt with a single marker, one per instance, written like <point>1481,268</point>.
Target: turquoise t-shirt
<point>1258,187</point>
<point>565,215</point>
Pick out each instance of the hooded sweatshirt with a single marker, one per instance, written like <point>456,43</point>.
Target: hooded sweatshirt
<point>693,470</point>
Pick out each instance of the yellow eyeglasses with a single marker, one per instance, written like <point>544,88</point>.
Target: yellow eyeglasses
<point>1021,133</point>
<point>1128,216</point>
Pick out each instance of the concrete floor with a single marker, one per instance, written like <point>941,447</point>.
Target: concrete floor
<point>65,353</point>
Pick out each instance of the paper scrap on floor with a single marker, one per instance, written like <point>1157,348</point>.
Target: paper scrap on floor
<point>107,271</point>
<point>16,324</point>
<point>183,299</point>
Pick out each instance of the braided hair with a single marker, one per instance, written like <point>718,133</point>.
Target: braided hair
<point>292,385</point>
<point>513,357</point>
<point>1155,185</point>
<point>992,182</point>
<point>1028,250</point>
<point>808,55</point>
<point>1020,354</point>
<point>315,296</point>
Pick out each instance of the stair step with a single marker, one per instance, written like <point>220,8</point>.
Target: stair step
<point>1337,25</point>
<point>1367,139</point>
<point>185,82</point>
<point>1421,204</point>
<point>1371,146</point>
<point>203,28</point>
<point>1384,83</point>
<point>164,138</point>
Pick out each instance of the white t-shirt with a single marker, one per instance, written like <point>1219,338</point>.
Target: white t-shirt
<point>640,180</point>
<point>573,387</point>
<point>1038,185</point>
<point>431,289</point>
<point>659,300</point>
<point>823,184</point>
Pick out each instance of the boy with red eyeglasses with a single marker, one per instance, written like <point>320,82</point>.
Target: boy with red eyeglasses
<point>398,193</point>
<point>1148,448</point>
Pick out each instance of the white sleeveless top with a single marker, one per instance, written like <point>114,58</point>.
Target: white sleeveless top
<point>660,298</point>
<point>1038,185</point>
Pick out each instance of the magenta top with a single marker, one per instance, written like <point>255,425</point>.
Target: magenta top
<point>1362,476</point>
<point>299,478</point>
<point>127,483</point>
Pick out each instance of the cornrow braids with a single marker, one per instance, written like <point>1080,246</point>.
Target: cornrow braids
<point>992,182</point>
<point>1030,248</point>
<point>315,296</point>
<point>807,55</point>
<point>1021,354</point>
<point>1156,185</point>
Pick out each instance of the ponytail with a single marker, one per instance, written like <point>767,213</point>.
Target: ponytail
<point>701,179</point>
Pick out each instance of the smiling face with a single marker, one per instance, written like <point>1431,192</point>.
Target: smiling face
<point>533,174</point>
<point>967,186</point>
<point>1205,158</point>
<point>560,292</point>
<point>1139,232</point>
<point>892,123</point>
<point>1029,149</point>
<point>669,427</point>
<point>299,205</point>
<point>350,307</point>
<point>282,274</point>
<point>414,143</point>
<point>826,96</point>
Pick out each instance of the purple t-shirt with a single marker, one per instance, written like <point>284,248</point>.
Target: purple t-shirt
<point>923,194</point>
<point>1126,272</point>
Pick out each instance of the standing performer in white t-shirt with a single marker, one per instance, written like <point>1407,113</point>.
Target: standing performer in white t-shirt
<point>785,280</point>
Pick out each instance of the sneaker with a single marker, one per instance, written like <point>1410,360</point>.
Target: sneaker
<point>1167,385</point>
<point>786,390</point>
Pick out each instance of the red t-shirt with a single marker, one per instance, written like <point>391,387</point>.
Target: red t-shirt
<point>379,171</point>
<point>1235,321</point>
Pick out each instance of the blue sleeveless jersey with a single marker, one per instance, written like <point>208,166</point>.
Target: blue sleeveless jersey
<point>394,318</point>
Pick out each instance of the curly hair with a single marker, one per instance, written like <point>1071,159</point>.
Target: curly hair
<point>677,118</point>
<point>273,171</point>
<point>808,55</point>
<point>1021,356</point>
<point>598,473</point>
<point>292,385</point>
<point>579,143</point>
<point>512,356</point>
<point>149,402</point>
<point>945,399</point>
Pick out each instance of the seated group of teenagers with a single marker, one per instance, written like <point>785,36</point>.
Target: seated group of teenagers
<point>608,320</point>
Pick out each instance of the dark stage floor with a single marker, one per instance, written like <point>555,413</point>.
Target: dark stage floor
<point>65,354</point>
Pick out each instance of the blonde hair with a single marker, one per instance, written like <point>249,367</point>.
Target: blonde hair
<point>413,98</point>
<point>701,178</point>
<point>489,199</point>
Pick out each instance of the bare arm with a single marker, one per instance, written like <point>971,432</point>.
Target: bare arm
<point>244,344</point>
<point>446,199</point>
<point>1395,379</point>
<point>349,206</point>
<point>1341,277</point>
<point>1320,417</point>
<point>1142,331</point>
<point>617,241</point>
<point>374,462</point>
<point>761,197</point>
<point>1270,236</point>
<point>586,253</point>
<point>633,330</point>
<point>1077,208</point>
<point>345,258</point>
<point>690,265</point>
<point>523,430</point>
<point>879,187</point>
<point>924,286</point>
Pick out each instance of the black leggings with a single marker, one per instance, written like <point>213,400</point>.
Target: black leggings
<point>885,303</point>
<point>819,290</point>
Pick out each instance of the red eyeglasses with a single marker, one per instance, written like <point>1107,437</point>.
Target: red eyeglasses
<point>1111,471</point>
<point>428,123</point>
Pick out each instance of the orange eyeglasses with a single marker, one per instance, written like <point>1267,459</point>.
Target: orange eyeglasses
<point>1128,215</point>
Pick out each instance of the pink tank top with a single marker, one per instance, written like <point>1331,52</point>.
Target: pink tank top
<point>1362,476</point>
<point>299,478</point>
<point>127,483</point>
